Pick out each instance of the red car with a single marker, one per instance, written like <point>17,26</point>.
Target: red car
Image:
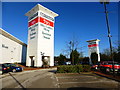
<point>96,66</point>
<point>107,66</point>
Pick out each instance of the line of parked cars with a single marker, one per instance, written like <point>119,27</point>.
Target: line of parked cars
<point>106,66</point>
<point>9,67</point>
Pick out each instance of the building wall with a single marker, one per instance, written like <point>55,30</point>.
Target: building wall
<point>32,45</point>
<point>11,51</point>
<point>0,47</point>
<point>47,45</point>
<point>24,53</point>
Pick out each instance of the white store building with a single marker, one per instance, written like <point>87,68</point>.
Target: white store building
<point>40,36</point>
<point>12,50</point>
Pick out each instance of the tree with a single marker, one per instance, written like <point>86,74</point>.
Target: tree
<point>107,54</point>
<point>116,57</point>
<point>104,57</point>
<point>116,54</point>
<point>106,51</point>
<point>76,56</point>
<point>72,49</point>
<point>85,60</point>
<point>94,58</point>
<point>61,59</point>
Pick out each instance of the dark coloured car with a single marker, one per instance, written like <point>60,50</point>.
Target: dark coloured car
<point>84,63</point>
<point>3,69</point>
<point>13,67</point>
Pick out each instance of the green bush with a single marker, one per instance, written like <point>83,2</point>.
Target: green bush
<point>60,69</point>
<point>73,68</point>
<point>79,68</point>
<point>86,68</point>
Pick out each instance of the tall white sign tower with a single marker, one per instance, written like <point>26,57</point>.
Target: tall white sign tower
<point>93,46</point>
<point>40,36</point>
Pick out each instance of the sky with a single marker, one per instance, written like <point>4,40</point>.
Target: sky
<point>81,20</point>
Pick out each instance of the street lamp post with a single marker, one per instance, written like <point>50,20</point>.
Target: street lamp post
<point>109,35</point>
<point>42,54</point>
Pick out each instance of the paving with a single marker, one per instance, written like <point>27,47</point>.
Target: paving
<point>42,78</point>
<point>46,78</point>
<point>86,80</point>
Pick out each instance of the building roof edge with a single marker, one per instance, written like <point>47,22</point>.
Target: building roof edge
<point>8,35</point>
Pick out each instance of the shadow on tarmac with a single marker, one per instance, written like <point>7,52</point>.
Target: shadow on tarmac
<point>87,88</point>
<point>53,71</point>
<point>72,88</point>
<point>17,81</point>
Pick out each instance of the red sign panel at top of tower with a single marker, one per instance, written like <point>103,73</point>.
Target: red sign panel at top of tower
<point>42,20</point>
<point>47,22</point>
<point>34,21</point>
<point>93,45</point>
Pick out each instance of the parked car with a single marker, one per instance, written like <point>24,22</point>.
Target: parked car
<point>3,69</point>
<point>107,66</point>
<point>68,63</point>
<point>96,66</point>
<point>84,63</point>
<point>13,67</point>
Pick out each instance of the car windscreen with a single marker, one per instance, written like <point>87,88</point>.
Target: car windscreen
<point>7,65</point>
<point>14,65</point>
<point>117,64</point>
<point>98,63</point>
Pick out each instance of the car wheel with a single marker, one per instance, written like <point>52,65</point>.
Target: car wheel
<point>14,70</point>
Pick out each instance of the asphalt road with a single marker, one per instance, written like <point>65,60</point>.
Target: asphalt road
<point>86,81</point>
<point>45,78</point>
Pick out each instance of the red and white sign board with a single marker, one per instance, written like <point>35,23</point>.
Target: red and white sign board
<point>41,20</point>
<point>93,46</point>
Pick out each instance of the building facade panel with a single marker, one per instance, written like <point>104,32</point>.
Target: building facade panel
<point>12,51</point>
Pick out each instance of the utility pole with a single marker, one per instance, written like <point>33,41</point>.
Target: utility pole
<point>109,35</point>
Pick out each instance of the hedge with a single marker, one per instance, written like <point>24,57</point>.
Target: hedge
<point>73,68</point>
